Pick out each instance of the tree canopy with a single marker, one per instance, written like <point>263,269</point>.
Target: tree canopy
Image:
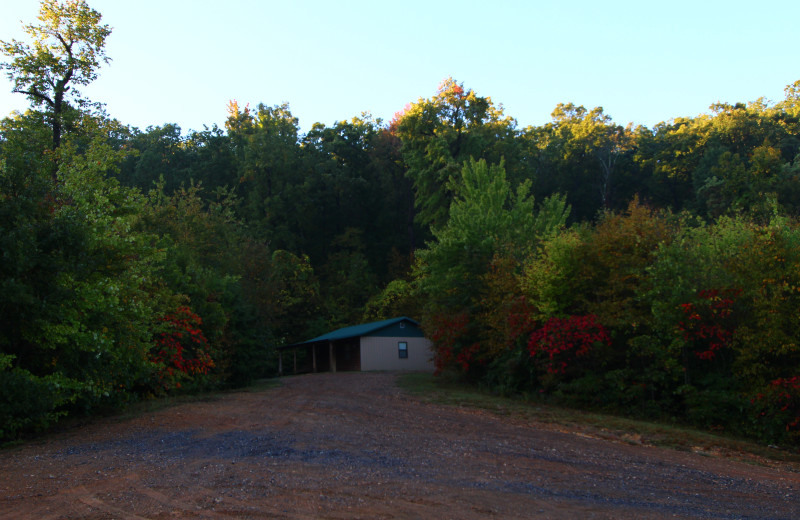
<point>66,48</point>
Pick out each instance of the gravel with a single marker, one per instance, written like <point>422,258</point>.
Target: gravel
<point>352,445</point>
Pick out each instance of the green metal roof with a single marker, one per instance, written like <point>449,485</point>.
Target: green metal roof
<point>358,330</point>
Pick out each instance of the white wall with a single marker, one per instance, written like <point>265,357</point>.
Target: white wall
<point>379,353</point>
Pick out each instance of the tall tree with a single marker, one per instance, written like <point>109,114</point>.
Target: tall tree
<point>439,135</point>
<point>67,48</point>
<point>741,166</point>
<point>668,154</point>
<point>265,143</point>
<point>487,219</point>
<point>586,155</point>
<point>354,181</point>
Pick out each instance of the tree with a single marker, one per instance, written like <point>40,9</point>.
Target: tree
<point>79,283</point>
<point>267,151</point>
<point>667,155</point>
<point>742,166</point>
<point>353,180</point>
<point>162,153</point>
<point>486,219</point>
<point>439,135</point>
<point>586,156</point>
<point>67,50</point>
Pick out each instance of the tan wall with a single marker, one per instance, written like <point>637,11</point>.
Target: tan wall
<point>381,354</point>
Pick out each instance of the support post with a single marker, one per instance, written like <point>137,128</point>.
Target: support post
<point>280,363</point>
<point>332,356</point>
<point>314,356</point>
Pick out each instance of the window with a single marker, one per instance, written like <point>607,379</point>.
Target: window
<point>402,349</point>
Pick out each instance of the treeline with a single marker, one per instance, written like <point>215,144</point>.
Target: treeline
<point>649,272</point>
<point>652,272</point>
<point>614,267</point>
<point>644,312</point>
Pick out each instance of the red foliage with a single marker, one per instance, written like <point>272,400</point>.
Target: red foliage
<point>562,340</point>
<point>466,356</point>
<point>782,398</point>
<point>398,116</point>
<point>519,319</point>
<point>182,348</point>
<point>707,322</point>
<point>446,330</point>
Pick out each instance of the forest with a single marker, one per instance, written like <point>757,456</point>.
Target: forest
<point>650,272</point>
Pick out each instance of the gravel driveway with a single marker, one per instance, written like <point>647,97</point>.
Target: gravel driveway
<point>352,445</point>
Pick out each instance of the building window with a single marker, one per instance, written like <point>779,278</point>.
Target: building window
<point>402,349</point>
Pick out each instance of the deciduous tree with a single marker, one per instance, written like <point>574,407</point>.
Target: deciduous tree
<point>66,49</point>
<point>440,134</point>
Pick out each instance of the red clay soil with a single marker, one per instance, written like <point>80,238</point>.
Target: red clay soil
<point>352,445</point>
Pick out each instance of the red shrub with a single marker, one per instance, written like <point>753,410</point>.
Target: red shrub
<point>708,322</point>
<point>562,340</point>
<point>781,403</point>
<point>181,347</point>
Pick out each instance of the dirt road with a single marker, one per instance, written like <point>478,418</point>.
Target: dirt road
<point>354,446</point>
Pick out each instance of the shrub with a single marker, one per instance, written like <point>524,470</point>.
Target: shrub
<point>29,403</point>
<point>558,345</point>
<point>182,350</point>
<point>777,411</point>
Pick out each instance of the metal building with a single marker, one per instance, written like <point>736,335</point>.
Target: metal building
<point>395,344</point>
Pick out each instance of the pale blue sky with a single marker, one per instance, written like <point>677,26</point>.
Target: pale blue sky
<point>181,61</point>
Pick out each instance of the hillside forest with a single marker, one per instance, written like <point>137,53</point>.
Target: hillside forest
<point>650,272</point>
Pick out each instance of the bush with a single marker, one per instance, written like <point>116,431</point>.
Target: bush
<point>777,411</point>
<point>28,403</point>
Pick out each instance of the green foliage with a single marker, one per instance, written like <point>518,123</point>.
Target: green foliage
<point>702,345</point>
<point>205,266</point>
<point>103,330</point>
<point>439,135</point>
<point>755,263</point>
<point>267,154</point>
<point>76,292</point>
<point>349,282</point>
<point>398,298</point>
<point>68,46</point>
<point>28,403</point>
<point>584,155</point>
<point>613,265</point>
<point>483,216</point>
<point>295,298</point>
<point>455,276</point>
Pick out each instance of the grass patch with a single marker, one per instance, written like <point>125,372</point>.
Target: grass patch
<point>431,389</point>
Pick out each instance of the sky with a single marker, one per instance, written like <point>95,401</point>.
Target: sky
<point>644,62</point>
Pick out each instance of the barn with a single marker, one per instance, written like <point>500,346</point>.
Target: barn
<point>395,344</point>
